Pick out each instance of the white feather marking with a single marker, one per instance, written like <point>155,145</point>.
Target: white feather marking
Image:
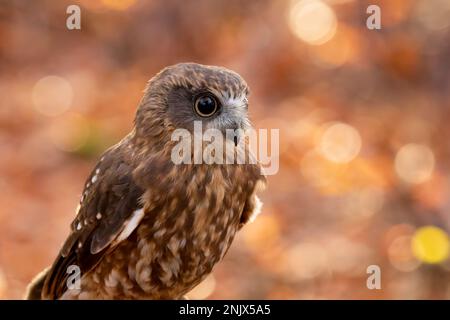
<point>257,210</point>
<point>130,225</point>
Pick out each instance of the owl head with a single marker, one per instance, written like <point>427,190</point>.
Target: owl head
<point>184,93</point>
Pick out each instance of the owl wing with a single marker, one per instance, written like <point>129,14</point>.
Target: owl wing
<point>109,211</point>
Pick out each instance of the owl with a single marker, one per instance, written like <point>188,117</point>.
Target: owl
<point>146,226</point>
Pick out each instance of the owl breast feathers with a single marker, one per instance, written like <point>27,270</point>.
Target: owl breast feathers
<point>147,228</point>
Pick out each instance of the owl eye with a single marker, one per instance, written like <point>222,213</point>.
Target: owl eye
<point>206,105</point>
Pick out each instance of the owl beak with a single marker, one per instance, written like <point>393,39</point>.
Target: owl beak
<point>237,134</point>
<point>236,138</point>
<point>233,133</point>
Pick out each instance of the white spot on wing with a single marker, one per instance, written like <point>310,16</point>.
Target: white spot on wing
<point>131,224</point>
<point>95,177</point>
<point>257,210</point>
<point>98,216</point>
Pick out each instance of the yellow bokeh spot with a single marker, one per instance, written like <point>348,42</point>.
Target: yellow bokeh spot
<point>312,21</point>
<point>430,245</point>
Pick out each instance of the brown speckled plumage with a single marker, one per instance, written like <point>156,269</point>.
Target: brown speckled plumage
<point>187,215</point>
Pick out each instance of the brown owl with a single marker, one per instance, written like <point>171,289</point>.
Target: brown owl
<point>146,227</point>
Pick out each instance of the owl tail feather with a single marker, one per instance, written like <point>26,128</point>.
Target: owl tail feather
<point>34,289</point>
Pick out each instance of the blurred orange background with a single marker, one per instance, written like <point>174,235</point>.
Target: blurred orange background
<point>363,115</point>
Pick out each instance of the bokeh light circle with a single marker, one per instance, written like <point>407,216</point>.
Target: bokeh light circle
<point>312,21</point>
<point>306,261</point>
<point>340,143</point>
<point>414,163</point>
<point>431,245</point>
<point>52,95</point>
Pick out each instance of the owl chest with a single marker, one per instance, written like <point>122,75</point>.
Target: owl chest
<point>178,249</point>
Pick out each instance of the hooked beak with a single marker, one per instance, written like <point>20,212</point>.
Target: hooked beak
<point>236,139</point>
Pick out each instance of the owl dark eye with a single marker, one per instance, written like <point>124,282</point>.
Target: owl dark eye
<point>206,105</point>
